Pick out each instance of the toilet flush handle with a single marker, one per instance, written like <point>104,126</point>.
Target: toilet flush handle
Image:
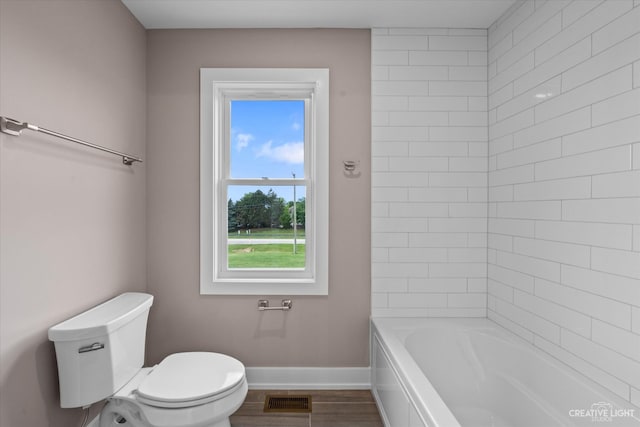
<point>93,347</point>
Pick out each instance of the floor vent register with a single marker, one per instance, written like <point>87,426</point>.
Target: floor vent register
<point>287,403</point>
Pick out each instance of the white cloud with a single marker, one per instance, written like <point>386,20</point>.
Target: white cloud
<point>290,152</point>
<point>296,126</point>
<point>243,140</point>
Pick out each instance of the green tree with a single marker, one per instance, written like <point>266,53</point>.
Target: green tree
<point>251,210</point>
<point>300,211</point>
<point>285,217</point>
<point>276,207</point>
<point>257,210</point>
<point>232,220</point>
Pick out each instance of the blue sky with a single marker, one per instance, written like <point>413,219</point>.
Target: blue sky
<point>267,140</point>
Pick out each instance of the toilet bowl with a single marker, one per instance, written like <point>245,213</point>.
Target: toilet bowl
<point>185,389</point>
<point>100,354</point>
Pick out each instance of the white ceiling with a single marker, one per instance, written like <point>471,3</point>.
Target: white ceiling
<point>317,13</point>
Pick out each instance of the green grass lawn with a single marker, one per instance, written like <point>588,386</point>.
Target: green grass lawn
<point>266,256</point>
<point>267,233</point>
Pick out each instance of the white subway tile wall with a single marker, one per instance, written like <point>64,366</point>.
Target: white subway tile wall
<point>564,188</point>
<point>429,177</point>
<point>506,182</point>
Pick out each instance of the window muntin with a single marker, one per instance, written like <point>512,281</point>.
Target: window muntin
<point>236,161</point>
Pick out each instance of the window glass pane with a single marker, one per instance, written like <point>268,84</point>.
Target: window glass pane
<point>267,138</point>
<point>262,232</point>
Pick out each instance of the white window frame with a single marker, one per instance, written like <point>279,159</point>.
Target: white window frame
<point>217,87</point>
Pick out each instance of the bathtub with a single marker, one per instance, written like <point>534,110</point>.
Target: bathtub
<point>474,373</point>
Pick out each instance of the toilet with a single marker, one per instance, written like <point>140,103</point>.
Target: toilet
<point>100,355</point>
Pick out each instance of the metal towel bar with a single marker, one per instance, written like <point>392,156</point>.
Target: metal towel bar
<point>15,128</point>
<point>263,305</point>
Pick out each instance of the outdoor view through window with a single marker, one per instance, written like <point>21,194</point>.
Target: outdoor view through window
<point>266,222</point>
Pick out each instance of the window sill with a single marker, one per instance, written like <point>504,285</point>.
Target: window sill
<point>264,287</point>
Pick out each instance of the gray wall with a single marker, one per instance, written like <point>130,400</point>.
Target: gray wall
<point>319,331</point>
<point>71,219</point>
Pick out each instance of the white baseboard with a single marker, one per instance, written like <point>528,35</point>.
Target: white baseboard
<point>309,378</point>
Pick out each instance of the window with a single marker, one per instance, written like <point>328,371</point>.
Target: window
<point>264,181</point>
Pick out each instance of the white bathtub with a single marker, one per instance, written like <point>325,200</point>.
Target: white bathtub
<point>474,373</point>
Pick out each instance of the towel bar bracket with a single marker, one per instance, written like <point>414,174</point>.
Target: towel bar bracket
<point>14,127</point>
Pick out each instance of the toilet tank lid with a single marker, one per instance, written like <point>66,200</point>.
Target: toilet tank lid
<point>102,319</point>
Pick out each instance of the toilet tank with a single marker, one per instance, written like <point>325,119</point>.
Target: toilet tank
<point>100,350</point>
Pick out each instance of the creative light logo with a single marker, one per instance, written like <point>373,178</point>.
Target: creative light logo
<point>602,412</point>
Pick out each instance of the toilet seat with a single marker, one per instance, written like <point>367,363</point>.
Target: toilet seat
<point>183,380</point>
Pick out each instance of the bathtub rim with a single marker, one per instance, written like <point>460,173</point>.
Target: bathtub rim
<point>434,414</point>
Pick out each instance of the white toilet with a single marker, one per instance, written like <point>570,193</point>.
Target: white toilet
<point>100,355</point>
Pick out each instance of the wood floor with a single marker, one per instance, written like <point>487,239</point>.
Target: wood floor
<point>330,408</point>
